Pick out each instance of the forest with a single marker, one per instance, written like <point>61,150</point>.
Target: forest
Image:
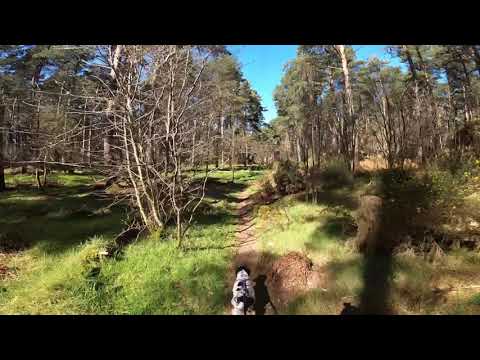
<point>135,179</point>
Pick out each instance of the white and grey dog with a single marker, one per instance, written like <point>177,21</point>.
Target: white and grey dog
<point>243,292</point>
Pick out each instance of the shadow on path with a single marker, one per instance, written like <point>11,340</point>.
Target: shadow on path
<point>262,297</point>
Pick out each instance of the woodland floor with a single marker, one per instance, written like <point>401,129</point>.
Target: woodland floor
<point>57,233</point>
<point>320,228</point>
<point>51,272</point>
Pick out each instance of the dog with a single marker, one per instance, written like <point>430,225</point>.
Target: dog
<point>243,292</point>
<point>349,309</point>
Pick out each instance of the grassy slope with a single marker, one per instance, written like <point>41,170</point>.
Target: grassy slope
<point>293,224</point>
<point>152,276</point>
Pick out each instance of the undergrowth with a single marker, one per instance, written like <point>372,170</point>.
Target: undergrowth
<point>65,269</point>
<point>321,224</point>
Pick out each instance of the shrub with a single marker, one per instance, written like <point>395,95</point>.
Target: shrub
<point>475,299</point>
<point>336,173</point>
<point>285,178</point>
<point>405,188</point>
<point>444,185</point>
<point>93,254</point>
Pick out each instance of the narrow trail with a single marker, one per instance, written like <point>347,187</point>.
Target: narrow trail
<point>248,254</point>
<point>246,241</point>
<point>245,235</point>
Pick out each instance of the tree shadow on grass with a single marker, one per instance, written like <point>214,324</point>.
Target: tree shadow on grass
<point>336,227</point>
<point>220,190</point>
<point>402,197</point>
<point>57,219</point>
<point>377,281</point>
<point>333,198</point>
<point>208,214</point>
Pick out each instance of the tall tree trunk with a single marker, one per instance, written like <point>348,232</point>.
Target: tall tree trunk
<point>287,145</point>
<point>115,52</point>
<point>433,108</point>
<point>89,148</point>
<point>84,133</point>
<point>59,102</point>
<point>232,156</point>
<point>107,149</point>
<point>299,150</point>
<point>149,150</point>
<point>222,125</point>
<point>313,144</point>
<point>207,162</point>
<point>351,148</point>
<point>193,144</point>
<point>246,148</point>
<point>2,174</point>
<point>416,110</point>
<point>2,147</point>
<point>467,90</point>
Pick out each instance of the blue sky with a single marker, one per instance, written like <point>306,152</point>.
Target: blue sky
<point>263,66</point>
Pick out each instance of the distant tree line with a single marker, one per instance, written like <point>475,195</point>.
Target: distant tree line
<point>332,104</point>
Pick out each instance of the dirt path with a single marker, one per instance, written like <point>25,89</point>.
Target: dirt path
<point>247,253</point>
<point>245,235</point>
<point>246,242</point>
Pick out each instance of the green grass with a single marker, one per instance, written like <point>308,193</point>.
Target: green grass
<point>292,229</point>
<point>293,224</point>
<point>61,273</point>
<point>55,178</point>
<point>59,217</point>
<point>241,176</point>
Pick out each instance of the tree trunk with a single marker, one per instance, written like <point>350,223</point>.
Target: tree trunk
<point>222,124</point>
<point>246,148</point>
<point>37,176</point>
<point>193,144</point>
<point>45,172</point>
<point>350,131</point>
<point>313,144</point>
<point>107,150</point>
<point>37,136</point>
<point>2,175</point>
<point>179,229</point>
<point>233,154</point>
<point>299,150</point>
<point>2,147</point>
<point>89,148</point>
<point>115,52</point>
<point>59,102</point>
